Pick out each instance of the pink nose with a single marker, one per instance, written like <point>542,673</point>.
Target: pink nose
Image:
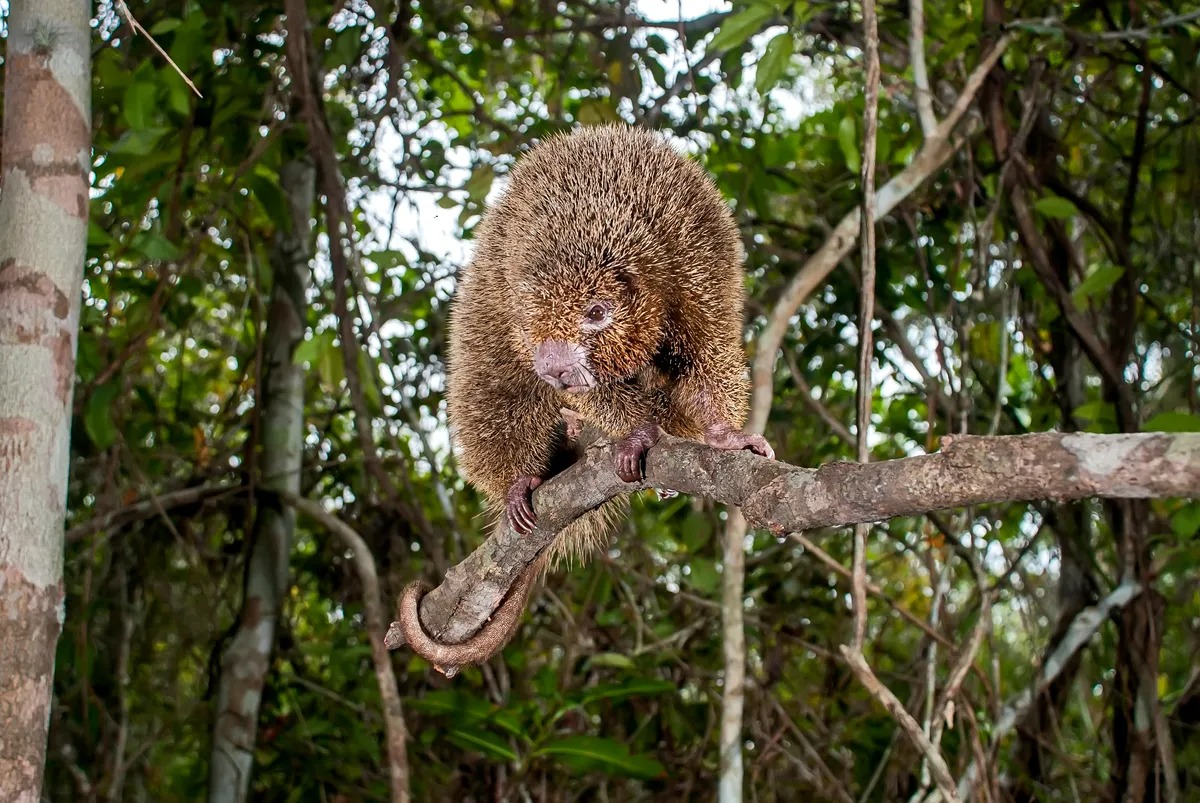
<point>557,361</point>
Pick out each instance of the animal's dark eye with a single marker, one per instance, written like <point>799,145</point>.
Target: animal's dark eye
<point>596,313</point>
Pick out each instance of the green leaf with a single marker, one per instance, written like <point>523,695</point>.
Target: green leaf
<point>388,259</point>
<point>739,27</point>
<point>480,182</point>
<point>694,532</point>
<point>605,755</point>
<point>369,379</point>
<point>155,246</point>
<point>96,235</point>
<point>848,142</point>
<point>1185,522</point>
<point>165,25</point>
<point>179,95</point>
<point>140,105</point>
<point>1097,283</point>
<point>97,419</point>
<point>138,142</point>
<point>1098,415</point>
<point>1055,207</point>
<point>634,687</point>
<point>481,741</point>
<point>595,110</point>
<point>264,186</point>
<point>611,660</point>
<point>1173,422</point>
<point>464,707</point>
<point>330,367</point>
<point>774,62</point>
<point>704,575</point>
<point>309,351</point>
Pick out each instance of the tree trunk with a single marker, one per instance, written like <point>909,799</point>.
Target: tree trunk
<point>733,644</point>
<point>245,663</point>
<point>43,241</point>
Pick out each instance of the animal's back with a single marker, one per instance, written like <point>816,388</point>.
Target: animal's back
<point>621,189</point>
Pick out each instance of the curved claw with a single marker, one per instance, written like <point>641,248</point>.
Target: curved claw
<point>629,462</point>
<point>724,437</point>
<point>519,504</point>
<point>665,493</point>
<point>632,449</point>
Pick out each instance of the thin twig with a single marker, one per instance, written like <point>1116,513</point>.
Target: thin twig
<point>865,392</point>
<point>1142,33</point>
<point>853,653</point>
<point>885,697</point>
<point>137,28</point>
<point>835,566</point>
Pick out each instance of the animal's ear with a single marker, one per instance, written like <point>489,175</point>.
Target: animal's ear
<point>629,276</point>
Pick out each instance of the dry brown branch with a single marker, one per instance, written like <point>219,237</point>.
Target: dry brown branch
<point>937,764</point>
<point>866,310</point>
<point>137,28</point>
<point>853,652</point>
<point>389,692</point>
<point>969,470</point>
<point>150,506</point>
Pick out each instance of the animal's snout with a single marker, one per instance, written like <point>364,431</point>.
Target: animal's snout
<point>562,364</point>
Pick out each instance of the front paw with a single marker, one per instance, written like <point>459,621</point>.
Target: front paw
<point>629,460</point>
<point>519,504</point>
<point>632,449</point>
<point>725,437</point>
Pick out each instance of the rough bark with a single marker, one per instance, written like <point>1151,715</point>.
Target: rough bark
<point>43,237</point>
<point>247,659</point>
<point>969,470</point>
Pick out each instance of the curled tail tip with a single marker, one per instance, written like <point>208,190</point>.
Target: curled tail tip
<point>449,658</point>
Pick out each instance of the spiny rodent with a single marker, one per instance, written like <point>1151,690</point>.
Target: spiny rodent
<point>606,280</point>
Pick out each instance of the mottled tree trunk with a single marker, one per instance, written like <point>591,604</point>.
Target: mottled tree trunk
<point>733,646</point>
<point>43,237</point>
<point>245,663</point>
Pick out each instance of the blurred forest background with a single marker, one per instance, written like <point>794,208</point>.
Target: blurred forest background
<point>1038,269</point>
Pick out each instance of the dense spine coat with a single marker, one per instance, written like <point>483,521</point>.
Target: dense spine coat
<point>606,280</point>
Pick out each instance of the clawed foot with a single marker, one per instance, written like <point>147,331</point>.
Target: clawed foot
<point>519,504</point>
<point>723,436</point>
<point>665,493</point>
<point>632,449</point>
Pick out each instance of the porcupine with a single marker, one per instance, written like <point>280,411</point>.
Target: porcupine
<point>606,288</point>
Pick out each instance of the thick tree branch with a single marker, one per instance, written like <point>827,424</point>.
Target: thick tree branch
<point>969,470</point>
